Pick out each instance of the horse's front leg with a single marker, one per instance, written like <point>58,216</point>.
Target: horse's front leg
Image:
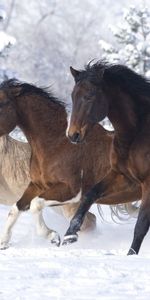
<point>96,192</point>
<point>69,211</point>
<point>21,205</point>
<point>36,208</point>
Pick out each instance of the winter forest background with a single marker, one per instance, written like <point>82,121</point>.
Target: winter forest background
<point>50,35</point>
<point>39,40</point>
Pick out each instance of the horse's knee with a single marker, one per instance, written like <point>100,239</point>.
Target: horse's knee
<point>22,205</point>
<point>14,211</point>
<point>36,205</point>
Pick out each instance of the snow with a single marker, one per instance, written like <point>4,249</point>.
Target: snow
<point>96,267</point>
<point>132,36</point>
<point>6,40</point>
<point>18,135</point>
<point>2,13</point>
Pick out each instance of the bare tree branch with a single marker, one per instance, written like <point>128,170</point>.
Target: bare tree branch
<point>45,15</point>
<point>8,19</point>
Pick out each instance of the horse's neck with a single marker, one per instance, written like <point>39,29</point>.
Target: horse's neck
<point>123,116</point>
<point>41,120</point>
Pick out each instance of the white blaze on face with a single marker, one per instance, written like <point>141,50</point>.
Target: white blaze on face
<point>68,121</point>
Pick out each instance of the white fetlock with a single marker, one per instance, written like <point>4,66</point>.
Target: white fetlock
<point>36,208</point>
<point>54,238</point>
<point>71,236</point>
<point>11,220</point>
<point>4,242</point>
<point>69,239</point>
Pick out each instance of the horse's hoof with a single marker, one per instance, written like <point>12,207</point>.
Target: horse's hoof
<point>3,246</point>
<point>69,239</point>
<point>131,252</point>
<point>56,239</point>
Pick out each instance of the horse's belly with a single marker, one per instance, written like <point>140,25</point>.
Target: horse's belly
<point>66,200</point>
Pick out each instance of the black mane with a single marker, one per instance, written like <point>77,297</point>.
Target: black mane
<point>26,88</point>
<point>118,75</point>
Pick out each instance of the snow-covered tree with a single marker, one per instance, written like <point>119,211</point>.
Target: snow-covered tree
<point>6,41</point>
<point>133,41</point>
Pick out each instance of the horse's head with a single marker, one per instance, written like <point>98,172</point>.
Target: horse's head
<point>89,105</point>
<point>8,116</point>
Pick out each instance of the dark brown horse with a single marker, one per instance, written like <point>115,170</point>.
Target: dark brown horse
<point>60,171</point>
<point>117,92</point>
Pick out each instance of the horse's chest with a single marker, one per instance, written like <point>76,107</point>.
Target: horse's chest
<point>134,163</point>
<point>43,171</point>
<point>120,162</point>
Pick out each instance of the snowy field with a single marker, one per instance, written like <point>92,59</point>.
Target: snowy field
<point>96,267</point>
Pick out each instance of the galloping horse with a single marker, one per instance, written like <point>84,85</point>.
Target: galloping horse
<point>117,92</point>
<point>60,171</point>
<point>14,178</point>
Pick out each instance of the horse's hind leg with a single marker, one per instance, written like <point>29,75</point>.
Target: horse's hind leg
<point>141,228</point>
<point>36,208</point>
<point>142,224</point>
<point>21,205</point>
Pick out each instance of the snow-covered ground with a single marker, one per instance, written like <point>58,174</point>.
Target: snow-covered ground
<point>96,267</point>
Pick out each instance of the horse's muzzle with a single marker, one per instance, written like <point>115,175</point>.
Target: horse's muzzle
<point>75,138</point>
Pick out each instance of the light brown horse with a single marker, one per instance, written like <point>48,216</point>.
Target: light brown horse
<point>14,177</point>
<point>60,171</point>
<point>14,169</point>
<point>117,92</point>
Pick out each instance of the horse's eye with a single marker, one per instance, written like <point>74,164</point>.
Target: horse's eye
<point>92,93</point>
<point>87,98</point>
<point>88,101</point>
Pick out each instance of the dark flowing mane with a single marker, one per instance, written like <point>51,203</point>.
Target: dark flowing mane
<point>118,75</point>
<point>26,88</point>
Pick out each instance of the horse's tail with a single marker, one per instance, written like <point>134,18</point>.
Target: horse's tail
<point>122,212</point>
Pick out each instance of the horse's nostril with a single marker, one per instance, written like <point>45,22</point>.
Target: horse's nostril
<point>75,138</point>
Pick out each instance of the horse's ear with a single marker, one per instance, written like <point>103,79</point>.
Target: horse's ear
<point>101,74</point>
<point>75,73</point>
